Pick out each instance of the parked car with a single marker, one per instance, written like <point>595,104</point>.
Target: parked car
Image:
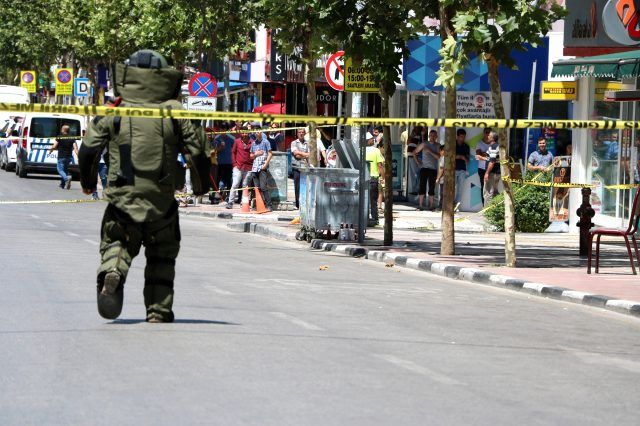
<point>9,135</point>
<point>37,136</point>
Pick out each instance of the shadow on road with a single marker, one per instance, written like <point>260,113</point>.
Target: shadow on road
<point>178,321</point>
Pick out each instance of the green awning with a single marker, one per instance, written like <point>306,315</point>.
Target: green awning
<point>615,65</point>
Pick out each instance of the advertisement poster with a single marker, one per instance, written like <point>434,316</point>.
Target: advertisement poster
<point>476,105</point>
<point>559,209</point>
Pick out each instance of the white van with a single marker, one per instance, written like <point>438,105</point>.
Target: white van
<point>14,95</point>
<point>37,135</point>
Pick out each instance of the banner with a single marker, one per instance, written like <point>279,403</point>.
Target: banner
<point>559,209</point>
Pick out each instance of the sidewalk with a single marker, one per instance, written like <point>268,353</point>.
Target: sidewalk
<point>548,264</point>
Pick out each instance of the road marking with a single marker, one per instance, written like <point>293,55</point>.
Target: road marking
<point>424,371</point>
<point>218,290</point>
<point>95,243</point>
<point>49,224</point>
<point>71,234</point>
<point>35,216</point>
<point>296,321</point>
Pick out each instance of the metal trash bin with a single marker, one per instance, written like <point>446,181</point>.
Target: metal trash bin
<point>328,198</point>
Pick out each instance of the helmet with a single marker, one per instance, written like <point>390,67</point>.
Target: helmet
<point>147,59</point>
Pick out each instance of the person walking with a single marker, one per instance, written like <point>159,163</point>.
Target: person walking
<point>492,175</point>
<point>102,174</point>
<point>463,153</point>
<point>142,209</point>
<point>261,156</point>
<point>541,159</point>
<point>242,164</point>
<point>376,169</point>
<point>428,169</point>
<point>299,158</point>
<point>66,147</point>
<point>481,156</point>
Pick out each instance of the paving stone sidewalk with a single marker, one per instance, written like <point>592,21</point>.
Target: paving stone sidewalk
<point>548,264</point>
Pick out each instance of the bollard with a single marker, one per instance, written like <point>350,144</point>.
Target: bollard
<point>585,213</point>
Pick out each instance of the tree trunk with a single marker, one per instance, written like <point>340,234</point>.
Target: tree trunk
<point>509,217</point>
<point>226,100</point>
<point>448,243</point>
<point>388,172</point>
<point>312,107</point>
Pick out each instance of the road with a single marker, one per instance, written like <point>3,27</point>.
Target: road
<point>264,336</point>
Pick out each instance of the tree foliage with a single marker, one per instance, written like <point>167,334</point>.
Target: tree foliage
<point>36,35</point>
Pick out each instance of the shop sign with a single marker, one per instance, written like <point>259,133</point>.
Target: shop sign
<point>606,86</point>
<point>558,90</point>
<point>605,24</point>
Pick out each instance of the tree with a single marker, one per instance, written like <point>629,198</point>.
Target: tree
<point>376,32</point>
<point>494,29</point>
<point>301,24</point>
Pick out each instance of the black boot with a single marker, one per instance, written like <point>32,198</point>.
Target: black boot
<point>158,298</point>
<point>110,295</point>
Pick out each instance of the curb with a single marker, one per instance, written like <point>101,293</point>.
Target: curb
<point>481,277</point>
<point>260,229</point>
<point>230,215</point>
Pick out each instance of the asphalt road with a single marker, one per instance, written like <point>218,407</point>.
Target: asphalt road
<point>264,336</point>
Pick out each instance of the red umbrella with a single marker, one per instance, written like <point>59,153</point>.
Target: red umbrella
<point>271,109</point>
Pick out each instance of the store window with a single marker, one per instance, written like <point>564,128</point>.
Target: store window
<point>605,160</point>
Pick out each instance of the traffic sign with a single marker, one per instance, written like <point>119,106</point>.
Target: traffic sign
<point>64,81</point>
<point>81,87</point>
<point>203,85</point>
<point>199,103</point>
<point>28,80</point>
<point>358,78</point>
<point>334,70</point>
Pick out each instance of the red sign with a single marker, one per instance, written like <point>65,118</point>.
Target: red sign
<point>203,85</point>
<point>334,71</point>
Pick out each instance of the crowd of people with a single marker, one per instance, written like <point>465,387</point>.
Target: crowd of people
<point>426,165</point>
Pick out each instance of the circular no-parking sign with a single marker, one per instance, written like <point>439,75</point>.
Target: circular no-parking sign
<point>64,76</point>
<point>334,71</point>
<point>28,77</point>
<point>203,85</point>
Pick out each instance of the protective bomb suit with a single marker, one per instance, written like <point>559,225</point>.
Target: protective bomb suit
<point>143,175</point>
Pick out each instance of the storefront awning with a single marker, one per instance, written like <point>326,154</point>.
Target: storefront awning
<point>614,65</point>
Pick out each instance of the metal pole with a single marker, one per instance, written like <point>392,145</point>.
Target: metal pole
<point>356,111</point>
<point>339,114</point>
<point>530,114</point>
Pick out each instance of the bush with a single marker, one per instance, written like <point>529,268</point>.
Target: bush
<point>531,207</point>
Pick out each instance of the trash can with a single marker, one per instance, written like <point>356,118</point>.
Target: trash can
<point>328,198</point>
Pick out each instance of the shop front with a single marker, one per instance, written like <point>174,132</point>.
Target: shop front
<point>607,159</point>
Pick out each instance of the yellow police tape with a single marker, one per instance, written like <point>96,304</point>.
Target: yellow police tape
<point>168,112</point>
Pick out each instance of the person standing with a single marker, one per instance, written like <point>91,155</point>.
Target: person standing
<point>428,169</point>
<point>481,156</point>
<point>541,159</point>
<point>66,147</point>
<point>274,136</point>
<point>102,174</point>
<point>299,158</point>
<point>261,156</point>
<point>463,152</point>
<point>376,169</point>
<point>492,175</point>
<point>242,164</point>
<point>440,177</point>
<point>224,145</point>
<point>142,208</point>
